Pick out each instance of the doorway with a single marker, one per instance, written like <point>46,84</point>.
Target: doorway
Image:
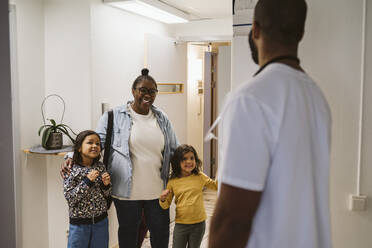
<point>209,81</point>
<point>205,69</point>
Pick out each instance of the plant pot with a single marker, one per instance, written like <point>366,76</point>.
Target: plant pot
<point>54,142</point>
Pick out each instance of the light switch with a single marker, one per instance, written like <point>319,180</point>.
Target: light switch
<point>357,202</point>
<point>105,107</point>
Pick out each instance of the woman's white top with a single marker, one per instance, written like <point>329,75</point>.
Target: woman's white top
<point>146,143</point>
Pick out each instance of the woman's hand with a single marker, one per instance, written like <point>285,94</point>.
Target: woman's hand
<point>106,178</point>
<point>66,167</point>
<point>164,195</point>
<point>92,175</point>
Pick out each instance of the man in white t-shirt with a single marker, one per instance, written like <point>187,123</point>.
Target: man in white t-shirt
<point>274,140</point>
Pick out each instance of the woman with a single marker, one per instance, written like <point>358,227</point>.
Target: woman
<point>142,144</point>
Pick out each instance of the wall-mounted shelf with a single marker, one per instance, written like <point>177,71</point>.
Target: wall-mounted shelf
<point>170,88</point>
<point>27,151</point>
<point>41,151</point>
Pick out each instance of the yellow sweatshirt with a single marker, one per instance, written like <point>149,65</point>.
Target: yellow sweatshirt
<point>188,197</point>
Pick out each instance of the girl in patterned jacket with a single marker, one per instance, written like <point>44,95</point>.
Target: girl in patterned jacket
<point>86,189</point>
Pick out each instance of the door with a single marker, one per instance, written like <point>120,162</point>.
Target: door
<point>210,112</point>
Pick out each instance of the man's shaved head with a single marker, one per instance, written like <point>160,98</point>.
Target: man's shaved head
<point>281,21</point>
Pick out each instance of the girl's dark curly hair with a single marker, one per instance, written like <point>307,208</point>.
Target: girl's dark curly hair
<point>77,159</point>
<point>178,157</point>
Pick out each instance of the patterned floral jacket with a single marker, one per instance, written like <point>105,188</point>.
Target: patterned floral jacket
<point>86,199</point>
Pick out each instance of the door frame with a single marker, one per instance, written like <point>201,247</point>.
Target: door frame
<point>210,149</point>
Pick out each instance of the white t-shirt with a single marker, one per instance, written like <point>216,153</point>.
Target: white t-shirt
<point>275,138</point>
<point>146,143</point>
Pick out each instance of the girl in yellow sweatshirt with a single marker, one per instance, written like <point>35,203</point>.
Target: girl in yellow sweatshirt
<point>186,185</point>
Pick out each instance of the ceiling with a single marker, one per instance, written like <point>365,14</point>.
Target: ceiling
<point>203,9</point>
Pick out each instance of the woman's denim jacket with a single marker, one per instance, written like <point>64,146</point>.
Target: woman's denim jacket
<point>119,163</point>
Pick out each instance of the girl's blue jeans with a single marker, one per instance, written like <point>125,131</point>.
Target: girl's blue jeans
<point>89,236</point>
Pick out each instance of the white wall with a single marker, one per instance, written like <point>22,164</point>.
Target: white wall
<point>30,51</point>
<point>47,53</point>
<point>367,131</point>
<point>118,46</point>
<point>86,52</point>
<point>108,54</point>
<point>31,179</point>
<point>205,28</point>
<point>171,68</point>
<point>195,102</point>
<point>67,38</point>
<point>331,54</point>
<point>68,60</point>
<point>242,66</point>
<point>223,75</point>
<point>224,82</point>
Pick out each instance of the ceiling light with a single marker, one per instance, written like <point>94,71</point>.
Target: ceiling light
<point>152,9</point>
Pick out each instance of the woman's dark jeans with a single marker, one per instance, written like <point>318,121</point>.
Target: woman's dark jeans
<point>129,217</point>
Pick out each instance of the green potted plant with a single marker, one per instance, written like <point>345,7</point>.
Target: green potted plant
<point>52,135</point>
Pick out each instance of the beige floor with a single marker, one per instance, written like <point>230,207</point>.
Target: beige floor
<point>209,202</point>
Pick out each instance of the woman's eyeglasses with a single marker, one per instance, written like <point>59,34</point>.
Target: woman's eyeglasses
<point>144,91</point>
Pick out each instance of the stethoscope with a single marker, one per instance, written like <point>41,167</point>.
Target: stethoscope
<point>209,135</point>
<point>276,59</point>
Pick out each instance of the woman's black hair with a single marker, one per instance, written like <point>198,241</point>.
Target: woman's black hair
<point>77,159</point>
<point>144,76</point>
<point>178,157</point>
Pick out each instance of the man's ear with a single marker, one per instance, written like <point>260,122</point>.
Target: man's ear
<point>133,92</point>
<point>256,31</point>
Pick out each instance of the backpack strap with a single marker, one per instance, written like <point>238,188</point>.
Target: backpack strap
<point>110,122</point>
